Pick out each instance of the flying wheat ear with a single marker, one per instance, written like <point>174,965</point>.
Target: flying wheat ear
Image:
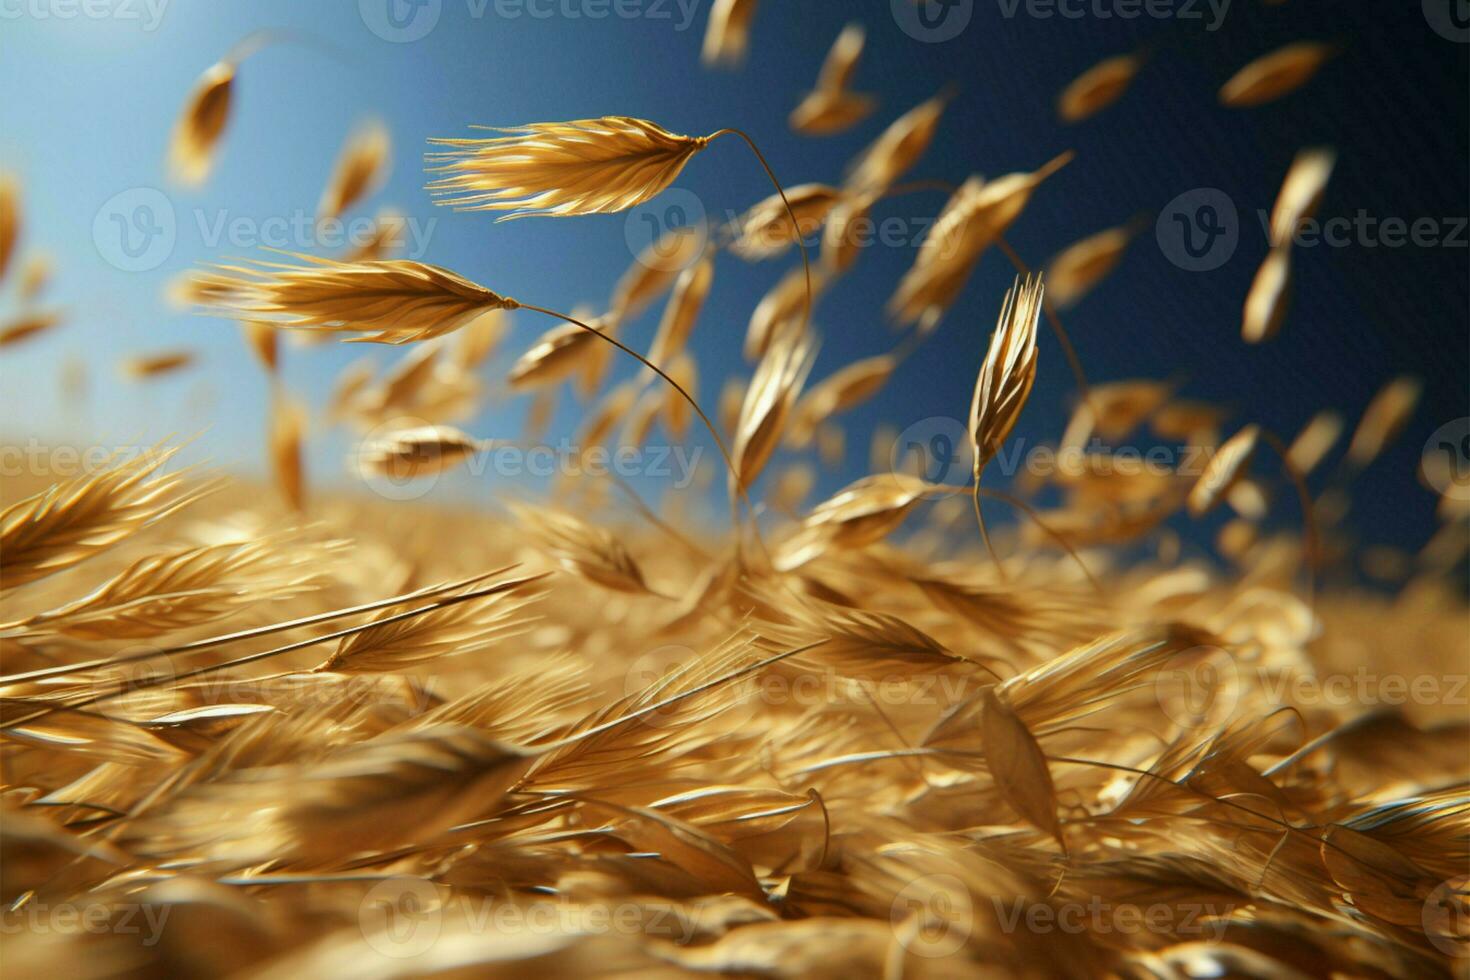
<point>1004,382</point>
<point>395,302</point>
<point>585,166</point>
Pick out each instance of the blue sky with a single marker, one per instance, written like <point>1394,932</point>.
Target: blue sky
<point>93,90</point>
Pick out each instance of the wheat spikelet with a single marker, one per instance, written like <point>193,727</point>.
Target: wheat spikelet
<point>1009,371</point>
<point>1269,297</point>
<point>767,403</point>
<point>394,643</point>
<point>586,166</point>
<point>186,588</point>
<point>360,169</point>
<point>766,230</point>
<point>831,108</point>
<point>863,512</point>
<point>840,392</point>
<point>557,354</point>
<point>142,367</point>
<point>388,236</point>
<point>200,125</point>
<point>975,217</point>
<point>1275,75</point>
<point>261,339</point>
<point>28,325</point>
<point>1314,442</point>
<point>655,270</point>
<point>583,549</point>
<point>1226,467</point>
<point>34,277</point>
<point>894,153</point>
<point>419,451</point>
<point>1078,268</point>
<point>1383,420</point>
<point>682,312</point>
<point>846,231</point>
<point>727,35</point>
<point>1301,193</point>
<point>10,223</point>
<point>392,301</point>
<point>284,447</point>
<point>781,312</point>
<point>74,520</point>
<point>1098,87</point>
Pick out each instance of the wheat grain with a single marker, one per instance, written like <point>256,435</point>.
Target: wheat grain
<point>360,170</point>
<point>202,122</point>
<point>1098,87</point>
<point>831,107</point>
<point>1275,75</point>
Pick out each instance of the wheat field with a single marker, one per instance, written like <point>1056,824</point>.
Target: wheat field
<point>254,727</point>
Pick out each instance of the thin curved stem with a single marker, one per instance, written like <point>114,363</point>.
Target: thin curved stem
<point>683,393</point>
<point>1027,509</point>
<point>806,263</point>
<point>985,535</point>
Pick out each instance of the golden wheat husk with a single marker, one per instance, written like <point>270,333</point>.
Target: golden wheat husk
<point>1275,75</point>
<point>28,325</point>
<point>390,301</point>
<point>360,170</point>
<point>727,33</point>
<point>77,518</point>
<point>201,124</point>
<point>10,222</point>
<point>898,149</point>
<point>585,166</point>
<point>1098,87</point>
<point>831,107</point>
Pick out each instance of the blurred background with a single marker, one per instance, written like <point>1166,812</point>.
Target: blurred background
<point>93,90</point>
